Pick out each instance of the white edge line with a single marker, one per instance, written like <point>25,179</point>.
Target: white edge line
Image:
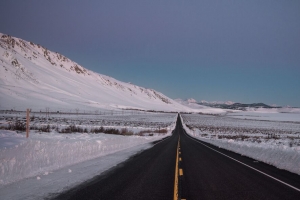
<point>245,164</point>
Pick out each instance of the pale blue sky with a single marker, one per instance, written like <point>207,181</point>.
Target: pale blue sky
<point>243,51</point>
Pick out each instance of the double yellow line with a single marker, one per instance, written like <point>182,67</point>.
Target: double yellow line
<point>177,172</point>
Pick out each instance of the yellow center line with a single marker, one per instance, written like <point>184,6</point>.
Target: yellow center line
<point>176,172</point>
<point>180,172</point>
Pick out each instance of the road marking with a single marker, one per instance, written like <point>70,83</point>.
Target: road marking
<point>180,172</point>
<point>176,173</point>
<point>246,165</point>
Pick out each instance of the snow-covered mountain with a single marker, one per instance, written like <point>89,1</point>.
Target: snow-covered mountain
<point>235,106</point>
<point>203,102</point>
<point>193,104</point>
<point>232,106</point>
<point>34,77</point>
<point>191,100</point>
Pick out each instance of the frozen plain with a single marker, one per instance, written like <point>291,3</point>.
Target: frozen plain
<point>81,156</point>
<point>273,142</point>
<point>51,162</point>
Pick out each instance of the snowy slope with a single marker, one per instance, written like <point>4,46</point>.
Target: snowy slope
<point>35,77</point>
<point>203,102</point>
<point>192,104</point>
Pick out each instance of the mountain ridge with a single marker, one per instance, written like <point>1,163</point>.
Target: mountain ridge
<point>227,104</point>
<point>31,74</point>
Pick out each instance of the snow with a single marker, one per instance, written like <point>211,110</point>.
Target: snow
<point>50,157</point>
<point>33,77</point>
<point>269,114</point>
<point>43,153</point>
<point>273,142</point>
<point>10,139</point>
<point>52,182</point>
<point>192,104</point>
<point>216,102</point>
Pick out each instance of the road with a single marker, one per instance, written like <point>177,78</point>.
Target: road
<point>203,171</point>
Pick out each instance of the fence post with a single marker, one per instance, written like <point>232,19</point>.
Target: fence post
<point>27,123</point>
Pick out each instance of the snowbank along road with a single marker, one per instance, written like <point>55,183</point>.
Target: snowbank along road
<point>181,167</point>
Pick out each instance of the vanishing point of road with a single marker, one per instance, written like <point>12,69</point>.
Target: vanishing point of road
<point>181,167</point>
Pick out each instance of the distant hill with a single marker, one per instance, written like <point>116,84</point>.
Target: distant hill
<point>234,106</point>
<point>31,76</point>
<point>242,106</point>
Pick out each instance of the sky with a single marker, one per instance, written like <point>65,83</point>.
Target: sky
<point>237,50</point>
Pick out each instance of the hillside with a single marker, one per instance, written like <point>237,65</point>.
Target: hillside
<point>235,106</point>
<point>192,104</point>
<point>34,77</point>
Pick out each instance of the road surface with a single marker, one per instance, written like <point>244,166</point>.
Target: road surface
<point>203,171</point>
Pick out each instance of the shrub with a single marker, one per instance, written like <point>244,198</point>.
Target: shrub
<point>112,131</point>
<point>150,132</point>
<point>45,129</point>
<point>97,130</point>
<point>18,126</point>
<point>161,131</point>
<point>72,129</point>
<point>124,131</point>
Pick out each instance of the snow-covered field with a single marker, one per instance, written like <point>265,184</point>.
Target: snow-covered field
<point>275,114</point>
<point>51,183</point>
<point>44,152</point>
<point>54,160</point>
<point>134,121</point>
<point>274,142</point>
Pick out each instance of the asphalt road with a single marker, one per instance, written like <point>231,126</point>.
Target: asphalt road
<point>147,175</point>
<point>204,172</point>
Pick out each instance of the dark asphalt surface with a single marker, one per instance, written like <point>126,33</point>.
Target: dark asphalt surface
<point>206,175</point>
